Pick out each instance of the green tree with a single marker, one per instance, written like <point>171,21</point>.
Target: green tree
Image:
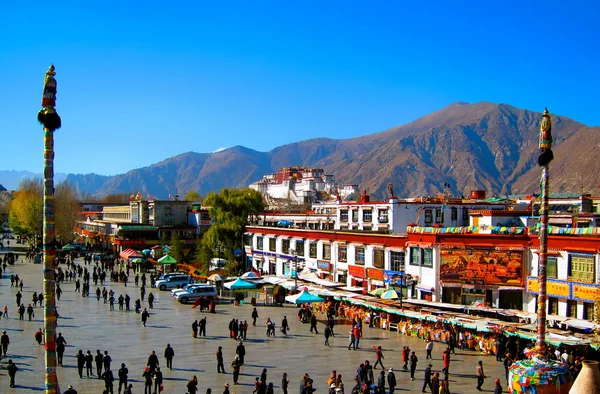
<point>202,257</point>
<point>230,209</point>
<point>67,212</point>
<point>193,196</point>
<point>176,248</point>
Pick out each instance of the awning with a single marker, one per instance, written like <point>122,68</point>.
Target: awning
<point>509,247</point>
<point>425,288</point>
<point>129,253</point>
<point>138,228</point>
<point>451,284</point>
<point>501,288</point>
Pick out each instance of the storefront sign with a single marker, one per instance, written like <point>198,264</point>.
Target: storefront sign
<point>392,277</point>
<point>375,274</point>
<point>554,287</point>
<point>324,266</point>
<point>493,267</point>
<point>585,292</point>
<point>356,271</point>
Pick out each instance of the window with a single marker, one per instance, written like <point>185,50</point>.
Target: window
<point>453,213</point>
<point>378,259</point>
<point>272,243</point>
<point>248,239</point>
<point>300,248</point>
<point>342,254</point>
<point>465,217</point>
<point>397,261</point>
<point>552,306</point>
<point>427,257</point>
<point>415,256</point>
<point>312,250</point>
<point>359,256</point>
<point>259,243</point>
<point>383,216</point>
<point>285,246</point>
<point>571,308</point>
<point>439,215</point>
<point>588,311</point>
<point>552,268</point>
<point>367,215</point>
<point>344,215</point>
<point>428,216</point>
<point>355,215</point>
<point>326,251</point>
<point>582,268</point>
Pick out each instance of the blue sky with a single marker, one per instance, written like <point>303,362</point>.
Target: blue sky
<point>143,81</point>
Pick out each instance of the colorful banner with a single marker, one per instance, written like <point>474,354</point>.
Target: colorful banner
<point>465,230</point>
<point>375,274</point>
<point>393,277</point>
<point>492,267</point>
<point>324,266</point>
<point>356,271</point>
<point>585,292</point>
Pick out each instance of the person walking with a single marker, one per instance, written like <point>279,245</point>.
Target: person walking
<point>158,380</point>
<point>480,375</point>
<point>80,363</point>
<point>169,354</point>
<point>202,327</point>
<point>391,378</point>
<point>445,385</point>
<point>446,361</point>
<point>4,342</point>
<point>89,359</point>
<point>284,326</point>
<point>351,337</point>
<point>30,312</point>
<point>235,365</point>
<point>147,381</point>
<point>427,379</point>
<point>12,372</point>
<point>123,373</point>
<point>381,383</point>
<point>60,348</point>
<point>192,386</point>
<point>413,365</point>
<point>127,301</point>
<point>21,312</point>
<point>285,383</point>
<point>39,336</point>
<point>254,316</point>
<point>435,383</point>
<point>152,362</point>
<point>507,363</point>
<point>151,300</point>
<point>145,316</point>
<point>357,334</point>
<point>378,357</point>
<point>108,381</point>
<point>240,351</point>
<point>327,334</point>
<point>98,360</point>
<point>18,297</point>
<point>428,349</point>
<point>313,323</point>
<point>220,365</point>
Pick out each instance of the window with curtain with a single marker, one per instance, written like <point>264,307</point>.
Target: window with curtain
<point>344,215</point>
<point>285,246</point>
<point>272,244</point>
<point>552,268</point>
<point>300,248</point>
<point>259,243</point>
<point>355,215</point>
<point>326,251</point>
<point>582,268</point>
<point>439,215</point>
<point>342,254</point>
<point>378,258</point>
<point>427,257</point>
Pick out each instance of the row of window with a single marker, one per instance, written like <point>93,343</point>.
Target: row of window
<point>588,308</point>
<point>367,215</point>
<point>439,215</point>
<point>581,268</point>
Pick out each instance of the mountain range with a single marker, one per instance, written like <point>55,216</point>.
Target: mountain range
<point>487,146</point>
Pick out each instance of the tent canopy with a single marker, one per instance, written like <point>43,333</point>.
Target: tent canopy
<point>250,274</point>
<point>303,298</point>
<point>129,254</point>
<point>68,247</point>
<point>137,260</point>
<point>390,295</point>
<point>166,259</point>
<point>216,278</point>
<point>239,284</point>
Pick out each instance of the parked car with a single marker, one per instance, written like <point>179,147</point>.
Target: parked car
<point>173,282</point>
<point>196,292</point>
<point>185,288</point>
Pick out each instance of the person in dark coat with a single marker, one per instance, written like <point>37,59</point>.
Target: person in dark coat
<point>254,315</point>
<point>152,362</point>
<point>60,348</point>
<point>195,329</point>
<point>435,383</point>
<point>80,363</point>
<point>169,354</point>
<point>413,365</point>
<point>498,387</point>
<point>427,378</point>
<point>241,352</point>
<point>381,382</point>
<point>285,383</point>
<point>89,359</point>
<point>123,374</point>
<point>145,316</point>
<point>313,323</point>
<point>151,300</point>
<point>4,342</point>
<point>192,385</point>
<point>108,381</point>
<point>391,378</point>
<point>235,365</point>
<point>158,379</point>
<point>98,360</point>
<point>12,372</point>
<point>220,365</point>
<point>106,360</point>
<point>202,327</point>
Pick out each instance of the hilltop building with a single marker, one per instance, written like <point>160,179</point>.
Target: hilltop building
<point>300,185</point>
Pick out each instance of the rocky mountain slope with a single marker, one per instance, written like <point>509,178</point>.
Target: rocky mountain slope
<point>468,146</point>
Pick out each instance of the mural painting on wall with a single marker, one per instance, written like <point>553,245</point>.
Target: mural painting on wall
<point>492,267</point>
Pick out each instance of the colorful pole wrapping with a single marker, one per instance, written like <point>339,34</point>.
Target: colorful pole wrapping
<point>51,121</point>
<point>544,160</point>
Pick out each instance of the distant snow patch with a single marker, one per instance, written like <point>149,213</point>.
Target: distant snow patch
<point>219,150</point>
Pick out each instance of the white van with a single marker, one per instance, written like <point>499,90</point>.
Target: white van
<point>173,281</point>
<point>196,292</point>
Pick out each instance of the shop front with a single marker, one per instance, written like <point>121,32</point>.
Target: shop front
<point>568,298</point>
<point>357,276</point>
<point>323,269</point>
<point>375,277</point>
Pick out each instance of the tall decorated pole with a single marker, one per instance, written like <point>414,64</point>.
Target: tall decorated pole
<point>51,122</point>
<point>544,160</point>
<point>538,374</point>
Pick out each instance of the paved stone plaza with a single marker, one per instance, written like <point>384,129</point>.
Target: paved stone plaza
<point>88,325</point>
